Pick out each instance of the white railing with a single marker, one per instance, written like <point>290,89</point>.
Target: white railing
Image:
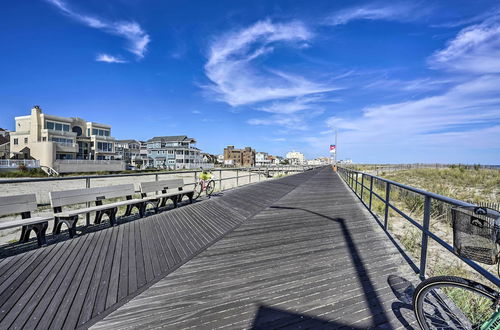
<point>15,163</point>
<point>89,162</point>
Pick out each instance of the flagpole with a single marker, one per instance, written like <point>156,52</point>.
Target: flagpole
<point>336,148</point>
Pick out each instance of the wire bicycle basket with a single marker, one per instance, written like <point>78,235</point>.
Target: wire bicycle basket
<point>475,236</point>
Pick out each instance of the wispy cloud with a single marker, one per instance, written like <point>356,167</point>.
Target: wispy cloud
<point>109,59</point>
<point>137,39</point>
<point>465,116</point>
<point>292,106</point>
<point>236,80</point>
<point>404,11</point>
<point>476,49</point>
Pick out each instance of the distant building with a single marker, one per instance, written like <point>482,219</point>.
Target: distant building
<point>128,150</point>
<point>209,158</point>
<point>295,158</point>
<point>262,159</point>
<point>239,157</point>
<point>173,152</point>
<point>58,142</point>
<point>319,161</point>
<point>220,159</point>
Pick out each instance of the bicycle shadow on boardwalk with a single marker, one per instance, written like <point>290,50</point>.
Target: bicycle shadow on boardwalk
<point>379,316</point>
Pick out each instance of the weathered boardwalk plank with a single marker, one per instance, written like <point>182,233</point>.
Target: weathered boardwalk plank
<point>313,259</point>
<point>74,283</point>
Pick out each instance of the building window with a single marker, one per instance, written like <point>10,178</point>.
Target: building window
<point>25,140</point>
<point>105,146</point>
<point>56,126</point>
<point>44,138</point>
<point>100,132</point>
<point>16,142</point>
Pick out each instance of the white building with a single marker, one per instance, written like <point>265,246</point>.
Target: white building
<point>295,158</point>
<point>65,144</point>
<point>262,159</point>
<point>174,152</point>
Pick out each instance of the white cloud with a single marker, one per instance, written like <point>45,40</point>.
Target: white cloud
<point>196,112</point>
<point>405,11</point>
<point>466,116</point>
<point>131,31</point>
<point>295,105</point>
<point>109,59</point>
<point>476,49</point>
<point>236,79</point>
<point>292,122</point>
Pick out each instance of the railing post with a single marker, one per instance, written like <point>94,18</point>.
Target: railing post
<point>249,175</point>
<point>425,236</point>
<point>362,185</point>
<point>156,178</point>
<point>220,180</point>
<point>371,193</point>
<point>356,183</point>
<point>237,177</point>
<point>87,216</point>
<point>387,201</point>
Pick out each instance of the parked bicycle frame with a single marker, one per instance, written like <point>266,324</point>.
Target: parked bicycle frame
<point>205,184</point>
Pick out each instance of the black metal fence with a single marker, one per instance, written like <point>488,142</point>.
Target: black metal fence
<point>365,186</point>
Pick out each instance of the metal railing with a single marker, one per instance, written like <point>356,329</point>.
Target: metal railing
<point>46,184</point>
<point>363,183</point>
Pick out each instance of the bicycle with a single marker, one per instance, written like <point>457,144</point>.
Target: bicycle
<point>451,302</point>
<point>205,184</point>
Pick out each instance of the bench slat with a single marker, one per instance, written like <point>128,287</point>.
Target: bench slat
<point>154,186</point>
<point>24,222</point>
<point>17,204</point>
<point>76,196</point>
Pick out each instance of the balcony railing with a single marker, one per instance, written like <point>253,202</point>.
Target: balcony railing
<point>15,163</point>
<point>89,162</point>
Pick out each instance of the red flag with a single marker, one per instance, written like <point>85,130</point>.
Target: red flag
<point>332,147</point>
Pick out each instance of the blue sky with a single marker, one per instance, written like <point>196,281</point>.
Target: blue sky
<point>401,81</point>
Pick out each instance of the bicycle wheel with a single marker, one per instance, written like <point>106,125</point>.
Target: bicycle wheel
<point>198,188</point>
<point>449,302</point>
<point>210,187</point>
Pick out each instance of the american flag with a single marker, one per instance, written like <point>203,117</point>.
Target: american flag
<point>332,147</point>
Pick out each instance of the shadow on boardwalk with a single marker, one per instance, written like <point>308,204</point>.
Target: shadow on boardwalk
<point>363,278</point>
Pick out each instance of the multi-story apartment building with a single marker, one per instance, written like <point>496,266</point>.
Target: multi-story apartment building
<point>128,150</point>
<point>4,132</point>
<point>50,139</point>
<point>295,158</point>
<point>262,159</point>
<point>239,157</point>
<point>173,152</point>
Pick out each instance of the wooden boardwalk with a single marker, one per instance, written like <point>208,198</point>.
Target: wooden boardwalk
<point>314,259</point>
<point>297,252</point>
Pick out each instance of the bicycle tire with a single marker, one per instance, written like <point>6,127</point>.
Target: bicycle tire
<point>210,187</point>
<point>198,189</point>
<point>449,302</point>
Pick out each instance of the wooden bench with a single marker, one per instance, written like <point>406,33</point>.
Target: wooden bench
<point>24,205</point>
<point>161,191</point>
<point>58,199</point>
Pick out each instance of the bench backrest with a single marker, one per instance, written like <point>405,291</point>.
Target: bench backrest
<point>77,196</point>
<point>17,204</point>
<point>154,186</point>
